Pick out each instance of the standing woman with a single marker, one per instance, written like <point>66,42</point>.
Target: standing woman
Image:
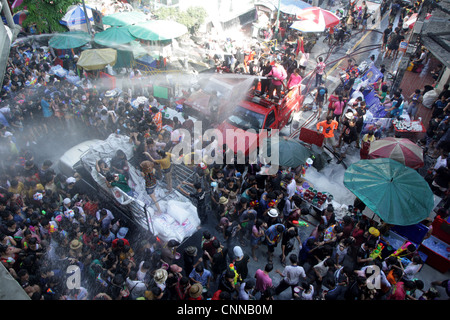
<point>338,108</point>
<point>166,166</point>
<point>148,172</point>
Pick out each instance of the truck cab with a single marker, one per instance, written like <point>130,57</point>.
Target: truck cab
<point>254,118</point>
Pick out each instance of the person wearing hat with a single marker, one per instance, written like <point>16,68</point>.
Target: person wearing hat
<point>160,277</point>
<point>195,292</point>
<point>278,74</point>
<point>190,259</point>
<point>75,251</point>
<point>272,216</point>
<point>240,262</point>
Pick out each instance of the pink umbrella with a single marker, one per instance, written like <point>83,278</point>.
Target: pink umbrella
<point>16,4</point>
<point>400,149</point>
<point>314,14</point>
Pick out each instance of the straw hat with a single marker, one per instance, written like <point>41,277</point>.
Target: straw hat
<point>146,165</point>
<point>349,115</point>
<point>196,290</point>
<point>223,200</point>
<point>232,195</point>
<point>160,276</point>
<point>75,245</point>
<point>191,251</point>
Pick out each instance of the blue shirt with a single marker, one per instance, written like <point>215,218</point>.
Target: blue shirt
<point>47,112</point>
<point>273,234</point>
<point>203,278</point>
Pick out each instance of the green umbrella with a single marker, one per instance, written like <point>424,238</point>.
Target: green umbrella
<point>124,18</point>
<point>158,30</point>
<point>134,47</point>
<point>113,36</point>
<point>291,153</point>
<point>396,193</point>
<point>69,40</point>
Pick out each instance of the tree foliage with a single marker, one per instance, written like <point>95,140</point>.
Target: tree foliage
<point>192,18</point>
<point>45,14</point>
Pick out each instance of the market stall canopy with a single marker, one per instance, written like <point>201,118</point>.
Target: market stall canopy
<point>113,36</point>
<point>399,149</point>
<point>124,18</point>
<point>158,30</point>
<point>291,153</point>
<point>134,47</point>
<point>69,40</point>
<point>75,16</point>
<point>397,194</point>
<point>316,14</point>
<point>96,59</point>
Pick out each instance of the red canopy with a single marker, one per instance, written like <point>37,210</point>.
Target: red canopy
<point>315,14</point>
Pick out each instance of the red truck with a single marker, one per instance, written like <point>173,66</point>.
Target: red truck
<point>256,113</point>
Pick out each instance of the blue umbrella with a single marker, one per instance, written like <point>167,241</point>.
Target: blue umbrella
<point>76,16</point>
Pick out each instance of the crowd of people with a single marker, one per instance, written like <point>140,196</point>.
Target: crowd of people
<point>49,222</point>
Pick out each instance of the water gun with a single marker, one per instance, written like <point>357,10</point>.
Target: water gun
<point>272,203</point>
<point>254,203</point>
<point>236,275</point>
<point>300,223</point>
<point>400,250</point>
<point>101,281</point>
<point>377,252</point>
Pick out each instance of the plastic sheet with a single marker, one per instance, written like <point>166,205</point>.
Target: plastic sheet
<point>167,226</point>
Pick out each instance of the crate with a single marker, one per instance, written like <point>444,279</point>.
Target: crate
<point>311,137</point>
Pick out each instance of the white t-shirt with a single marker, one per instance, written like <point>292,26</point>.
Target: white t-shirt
<point>292,274</point>
<point>411,270</point>
<point>308,295</point>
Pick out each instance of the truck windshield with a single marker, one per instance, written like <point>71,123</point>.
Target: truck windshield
<point>246,119</point>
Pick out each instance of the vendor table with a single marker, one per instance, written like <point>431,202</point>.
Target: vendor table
<point>438,253</point>
<point>410,134</point>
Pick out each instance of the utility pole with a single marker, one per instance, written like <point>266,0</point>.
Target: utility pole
<point>278,17</point>
<point>88,22</point>
<point>417,30</point>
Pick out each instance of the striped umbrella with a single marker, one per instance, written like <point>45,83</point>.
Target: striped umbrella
<point>400,149</point>
<point>20,16</point>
